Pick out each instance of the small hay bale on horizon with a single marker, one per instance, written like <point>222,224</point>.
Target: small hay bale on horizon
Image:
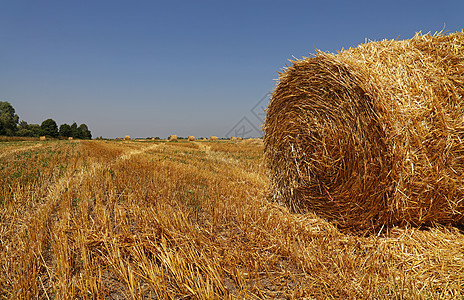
<point>233,138</point>
<point>70,138</point>
<point>372,136</point>
<point>173,138</point>
<point>43,138</point>
<point>127,138</point>
<point>213,138</point>
<point>191,138</point>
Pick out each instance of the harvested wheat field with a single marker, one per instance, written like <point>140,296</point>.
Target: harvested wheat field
<point>191,220</point>
<point>371,137</point>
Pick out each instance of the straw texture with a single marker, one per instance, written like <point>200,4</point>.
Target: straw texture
<point>173,137</point>
<point>372,136</point>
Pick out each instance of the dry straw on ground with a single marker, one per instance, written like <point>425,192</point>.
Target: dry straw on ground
<point>213,138</point>
<point>191,138</point>
<point>173,137</point>
<point>127,138</point>
<point>373,135</point>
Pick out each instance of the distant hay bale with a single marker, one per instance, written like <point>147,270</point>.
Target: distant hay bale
<point>373,135</point>
<point>127,138</point>
<point>43,138</point>
<point>239,138</point>
<point>213,138</point>
<point>70,138</point>
<point>191,138</point>
<point>233,138</point>
<point>173,138</point>
<point>205,139</point>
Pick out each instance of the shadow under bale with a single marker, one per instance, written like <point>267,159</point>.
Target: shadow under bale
<point>372,136</point>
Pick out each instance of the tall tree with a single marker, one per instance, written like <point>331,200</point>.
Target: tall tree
<point>85,132</point>
<point>8,119</point>
<point>49,128</point>
<point>74,130</point>
<point>23,129</point>
<point>65,130</point>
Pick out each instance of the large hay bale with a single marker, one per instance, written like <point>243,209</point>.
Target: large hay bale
<point>173,138</point>
<point>127,138</point>
<point>213,138</point>
<point>191,138</point>
<point>373,135</point>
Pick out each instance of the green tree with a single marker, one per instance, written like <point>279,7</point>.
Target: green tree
<point>65,130</point>
<point>8,119</point>
<point>84,132</point>
<point>24,130</point>
<point>49,128</point>
<point>74,130</point>
<point>35,128</point>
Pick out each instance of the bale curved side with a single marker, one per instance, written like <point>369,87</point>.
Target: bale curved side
<point>173,138</point>
<point>371,136</point>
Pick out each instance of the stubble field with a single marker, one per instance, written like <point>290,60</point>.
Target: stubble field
<point>191,220</point>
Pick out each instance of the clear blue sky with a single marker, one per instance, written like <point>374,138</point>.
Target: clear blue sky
<point>154,68</point>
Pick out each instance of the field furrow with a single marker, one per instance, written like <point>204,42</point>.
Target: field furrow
<point>192,220</point>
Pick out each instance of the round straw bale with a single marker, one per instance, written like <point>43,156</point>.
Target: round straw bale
<point>372,136</point>
<point>127,138</point>
<point>43,138</point>
<point>239,138</point>
<point>173,137</point>
<point>70,138</point>
<point>233,138</point>
<point>213,138</point>
<point>191,138</point>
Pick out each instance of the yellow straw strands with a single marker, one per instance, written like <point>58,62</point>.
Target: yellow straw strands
<point>372,136</point>
<point>173,138</point>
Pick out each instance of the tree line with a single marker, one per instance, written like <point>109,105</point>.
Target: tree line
<point>11,126</point>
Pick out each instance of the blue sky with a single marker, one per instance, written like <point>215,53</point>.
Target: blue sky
<point>154,68</point>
